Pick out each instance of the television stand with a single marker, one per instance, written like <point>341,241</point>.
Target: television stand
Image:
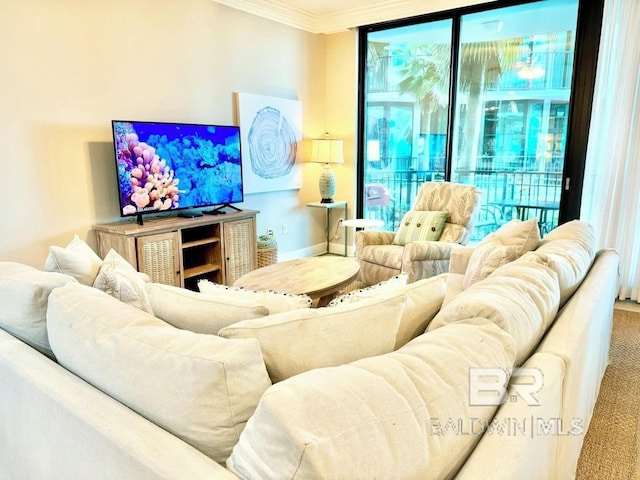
<point>180,251</point>
<point>219,211</point>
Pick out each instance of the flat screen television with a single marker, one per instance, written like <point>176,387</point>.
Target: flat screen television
<point>183,167</point>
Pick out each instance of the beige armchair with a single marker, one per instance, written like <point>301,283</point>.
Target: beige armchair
<point>380,259</point>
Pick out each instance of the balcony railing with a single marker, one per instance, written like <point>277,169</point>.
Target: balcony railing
<point>507,195</point>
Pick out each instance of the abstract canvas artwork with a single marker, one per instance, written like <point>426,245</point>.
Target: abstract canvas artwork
<point>270,135</point>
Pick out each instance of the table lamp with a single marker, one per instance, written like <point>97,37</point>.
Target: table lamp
<point>327,150</point>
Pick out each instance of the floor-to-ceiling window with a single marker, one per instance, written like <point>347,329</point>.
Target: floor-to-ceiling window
<point>480,96</point>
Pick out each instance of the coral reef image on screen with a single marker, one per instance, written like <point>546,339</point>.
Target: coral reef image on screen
<point>167,166</point>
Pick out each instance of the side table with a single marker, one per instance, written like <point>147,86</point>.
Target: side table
<point>328,207</point>
<point>359,224</point>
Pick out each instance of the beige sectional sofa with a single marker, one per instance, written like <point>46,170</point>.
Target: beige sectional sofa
<point>394,381</point>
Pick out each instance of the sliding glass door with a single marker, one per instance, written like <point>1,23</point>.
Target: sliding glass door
<point>502,124</point>
<point>406,115</point>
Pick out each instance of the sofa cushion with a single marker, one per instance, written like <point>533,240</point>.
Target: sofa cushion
<point>504,245</point>
<point>276,302</point>
<point>300,340</point>
<point>24,294</point>
<point>423,300</point>
<point>417,225</point>
<point>201,388</point>
<point>120,280</point>
<point>569,250</point>
<point>391,416</point>
<point>76,259</point>
<point>199,312</point>
<point>521,297</point>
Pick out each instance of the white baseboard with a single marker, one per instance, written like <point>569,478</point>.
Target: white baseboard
<point>314,250</point>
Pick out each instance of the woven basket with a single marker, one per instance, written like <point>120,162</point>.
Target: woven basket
<point>267,256</point>
<point>267,249</point>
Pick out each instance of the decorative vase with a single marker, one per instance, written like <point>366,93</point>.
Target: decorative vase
<point>327,184</point>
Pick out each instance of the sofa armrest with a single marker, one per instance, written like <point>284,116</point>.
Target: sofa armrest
<point>365,238</point>
<point>460,259</point>
<point>427,250</point>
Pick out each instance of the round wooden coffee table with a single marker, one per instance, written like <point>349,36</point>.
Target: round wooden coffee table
<point>319,277</point>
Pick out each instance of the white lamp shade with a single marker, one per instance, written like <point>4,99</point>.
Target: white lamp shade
<point>326,150</point>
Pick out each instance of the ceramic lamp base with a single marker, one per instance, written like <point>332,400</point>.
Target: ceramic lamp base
<point>327,184</point>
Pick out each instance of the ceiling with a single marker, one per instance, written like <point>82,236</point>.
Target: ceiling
<point>332,16</point>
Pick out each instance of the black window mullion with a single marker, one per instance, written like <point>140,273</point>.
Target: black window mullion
<point>453,93</point>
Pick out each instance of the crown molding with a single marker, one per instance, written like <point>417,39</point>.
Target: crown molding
<point>346,18</point>
<point>276,11</point>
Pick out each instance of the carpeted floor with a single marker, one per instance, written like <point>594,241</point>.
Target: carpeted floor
<point>610,450</point>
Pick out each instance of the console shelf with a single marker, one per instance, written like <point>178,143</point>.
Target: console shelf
<point>180,251</point>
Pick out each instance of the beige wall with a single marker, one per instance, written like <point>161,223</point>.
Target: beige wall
<point>70,66</point>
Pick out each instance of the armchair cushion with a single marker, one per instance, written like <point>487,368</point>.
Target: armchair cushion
<point>417,225</point>
<point>389,256</point>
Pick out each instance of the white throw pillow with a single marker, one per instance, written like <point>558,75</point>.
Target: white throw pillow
<point>423,300</point>
<point>201,388</point>
<point>276,302</point>
<point>76,259</point>
<point>120,280</point>
<point>300,340</point>
<point>199,312</point>
<point>24,294</point>
<point>406,414</point>
<point>506,244</point>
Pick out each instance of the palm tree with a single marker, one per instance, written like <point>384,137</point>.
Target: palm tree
<point>481,64</point>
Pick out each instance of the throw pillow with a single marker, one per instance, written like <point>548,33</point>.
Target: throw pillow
<point>77,259</point>
<point>24,295</point>
<point>419,225</point>
<point>199,312</point>
<point>423,300</point>
<point>505,245</point>
<point>304,339</point>
<point>201,388</point>
<point>276,302</point>
<point>120,280</point>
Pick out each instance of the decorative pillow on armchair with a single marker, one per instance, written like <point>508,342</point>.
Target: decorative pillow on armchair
<point>420,225</point>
